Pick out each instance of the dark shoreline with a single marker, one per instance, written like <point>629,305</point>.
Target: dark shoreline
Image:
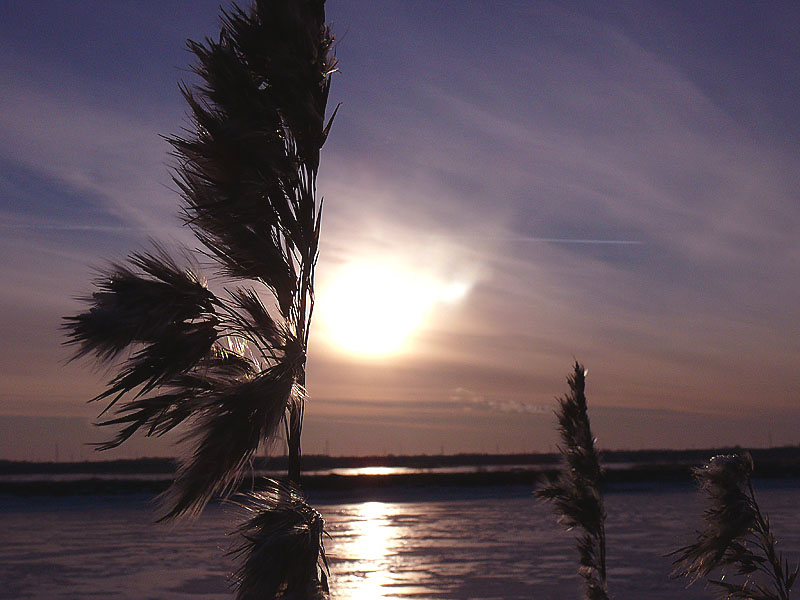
<point>788,456</point>
<point>623,468</point>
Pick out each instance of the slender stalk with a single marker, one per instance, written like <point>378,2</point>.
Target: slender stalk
<point>295,431</point>
<point>765,540</point>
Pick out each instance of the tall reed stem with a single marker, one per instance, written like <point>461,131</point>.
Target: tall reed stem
<point>576,493</point>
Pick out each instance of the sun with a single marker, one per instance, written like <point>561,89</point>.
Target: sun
<point>373,309</point>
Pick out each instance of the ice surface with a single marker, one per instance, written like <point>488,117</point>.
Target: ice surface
<point>436,543</point>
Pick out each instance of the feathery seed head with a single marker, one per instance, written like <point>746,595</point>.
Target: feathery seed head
<point>576,493</point>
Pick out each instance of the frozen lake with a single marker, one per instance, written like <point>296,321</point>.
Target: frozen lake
<point>458,543</point>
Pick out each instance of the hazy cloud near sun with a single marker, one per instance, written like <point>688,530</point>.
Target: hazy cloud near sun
<point>612,142</point>
<point>597,139</point>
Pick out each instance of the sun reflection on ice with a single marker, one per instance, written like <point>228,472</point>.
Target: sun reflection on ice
<point>369,547</point>
<point>373,531</point>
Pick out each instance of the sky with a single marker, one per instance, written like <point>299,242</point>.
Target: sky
<point>540,182</point>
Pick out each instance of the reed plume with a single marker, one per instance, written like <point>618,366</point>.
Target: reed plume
<point>736,534</point>
<point>576,493</point>
<point>282,553</point>
<point>228,367</point>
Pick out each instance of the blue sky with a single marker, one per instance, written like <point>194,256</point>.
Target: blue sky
<point>471,137</point>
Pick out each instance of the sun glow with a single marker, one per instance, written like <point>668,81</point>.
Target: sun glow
<point>373,309</point>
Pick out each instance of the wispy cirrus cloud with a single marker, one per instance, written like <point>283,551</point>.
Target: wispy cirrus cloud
<point>108,161</point>
<point>588,134</point>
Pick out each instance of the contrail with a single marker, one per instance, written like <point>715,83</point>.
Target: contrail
<point>546,240</point>
<point>570,240</point>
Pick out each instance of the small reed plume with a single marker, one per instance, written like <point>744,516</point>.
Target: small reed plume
<point>282,555</point>
<point>576,493</point>
<point>736,535</point>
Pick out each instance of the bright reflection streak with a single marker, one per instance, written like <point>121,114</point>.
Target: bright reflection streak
<point>370,547</point>
<point>373,531</point>
<point>370,471</point>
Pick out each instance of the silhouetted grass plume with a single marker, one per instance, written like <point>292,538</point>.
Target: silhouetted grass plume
<point>736,535</point>
<point>227,366</point>
<point>282,552</point>
<point>576,493</point>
